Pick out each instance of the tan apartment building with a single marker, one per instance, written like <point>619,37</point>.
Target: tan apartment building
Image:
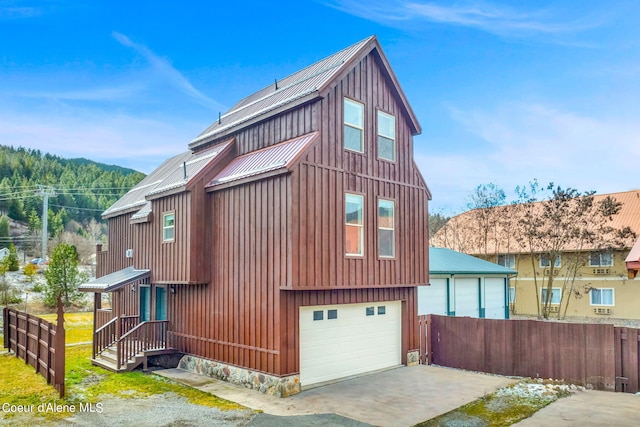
<point>588,280</point>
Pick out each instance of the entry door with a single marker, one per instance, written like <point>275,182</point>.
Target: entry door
<point>161,303</point>
<point>145,303</point>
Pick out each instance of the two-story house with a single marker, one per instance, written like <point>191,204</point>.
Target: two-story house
<point>588,281</point>
<point>285,246</point>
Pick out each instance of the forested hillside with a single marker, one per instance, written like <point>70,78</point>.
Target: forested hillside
<point>80,189</point>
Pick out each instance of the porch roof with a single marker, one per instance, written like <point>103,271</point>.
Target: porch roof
<point>114,281</point>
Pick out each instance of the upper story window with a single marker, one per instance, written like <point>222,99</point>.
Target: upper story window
<point>507,260</point>
<point>386,136</point>
<point>386,228</point>
<point>600,259</point>
<point>353,125</point>
<point>545,262</point>
<point>168,227</point>
<point>354,224</point>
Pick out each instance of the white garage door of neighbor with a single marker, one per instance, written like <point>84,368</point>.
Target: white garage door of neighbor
<point>432,299</point>
<point>467,295</point>
<point>494,298</point>
<point>348,339</point>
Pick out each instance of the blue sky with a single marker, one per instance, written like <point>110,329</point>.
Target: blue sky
<point>505,91</point>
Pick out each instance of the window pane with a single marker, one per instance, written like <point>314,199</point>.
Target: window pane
<point>370,311</point>
<point>386,148</point>
<point>607,296</point>
<point>594,259</point>
<point>169,220</point>
<point>354,229</point>
<point>332,314</point>
<point>353,113</point>
<point>318,315</point>
<point>385,243</point>
<point>596,296</point>
<point>386,125</point>
<point>512,295</point>
<point>354,209</point>
<point>352,138</point>
<point>385,213</point>
<point>382,309</point>
<point>606,259</point>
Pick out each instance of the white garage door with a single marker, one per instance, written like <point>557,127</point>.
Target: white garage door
<point>433,299</point>
<point>494,299</point>
<point>341,340</point>
<point>466,297</point>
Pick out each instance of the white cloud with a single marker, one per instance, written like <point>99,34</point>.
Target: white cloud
<point>523,142</point>
<point>125,140</point>
<point>168,72</point>
<point>485,16</point>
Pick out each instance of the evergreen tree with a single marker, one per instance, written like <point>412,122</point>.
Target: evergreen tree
<point>13,263</point>
<point>63,277</point>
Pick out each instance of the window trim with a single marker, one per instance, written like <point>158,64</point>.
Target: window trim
<point>543,290</point>
<point>362,229</point>
<point>379,134</point>
<point>601,304</point>
<point>393,229</point>
<point>558,261</point>
<point>165,228</point>
<point>361,129</point>
<point>601,253</point>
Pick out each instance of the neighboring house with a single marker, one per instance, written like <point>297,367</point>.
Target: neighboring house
<point>602,287</point>
<point>286,245</point>
<point>4,252</point>
<point>633,260</point>
<point>463,285</point>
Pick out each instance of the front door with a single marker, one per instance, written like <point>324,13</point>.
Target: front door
<point>145,303</point>
<point>161,303</point>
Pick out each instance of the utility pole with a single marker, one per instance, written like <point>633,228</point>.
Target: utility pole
<point>45,192</point>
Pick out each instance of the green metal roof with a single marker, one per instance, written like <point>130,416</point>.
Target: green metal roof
<point>446,261</point>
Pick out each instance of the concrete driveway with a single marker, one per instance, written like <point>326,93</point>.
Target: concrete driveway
<point>401,396</point>
<point>589,409</point>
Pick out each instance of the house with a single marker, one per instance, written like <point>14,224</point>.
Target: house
<point>463,285</point>
<point>4,252</point>
<point>284,248</point>
<point>601,289</point>
<point>632,260</point>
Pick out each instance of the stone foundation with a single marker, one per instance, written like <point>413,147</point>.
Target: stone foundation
<point>413,358</point>
<point>265,383</point>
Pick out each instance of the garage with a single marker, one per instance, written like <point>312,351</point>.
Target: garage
<point>342,340</point>
<point>432,299</point>
<point>462,285</point>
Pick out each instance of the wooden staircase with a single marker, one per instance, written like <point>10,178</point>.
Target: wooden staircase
<point>139,341</point>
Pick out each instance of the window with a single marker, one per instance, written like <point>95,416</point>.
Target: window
<point>382,309</point>
<point>556,293</point>
<point>354,225</point>
<point>168,227</point>
<point>600,259</point>
<point>546,262</point>
<point>512,295</point>
<point>386,136</point>
<point>370,311</point>
<point>602,297</point>
<point>508,261</point>
<point>353,125</point>
<point>318,315</point>
<point>332,314</point>
<point>386,228</point>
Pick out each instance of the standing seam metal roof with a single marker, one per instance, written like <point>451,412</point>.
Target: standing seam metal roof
<point>447,261</point>
<point>291,88</point>
<point>278,156</point>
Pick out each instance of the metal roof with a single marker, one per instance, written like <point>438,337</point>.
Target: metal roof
<point>462,232</point>
<point>114,281</point>
<point>634,255</point>
<point>273,158</point>
<point>173,174</point>
<point>289,89</point>
<point>447,261</point>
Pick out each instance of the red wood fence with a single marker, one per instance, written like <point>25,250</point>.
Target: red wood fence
<point>38,342</point>
<point>603,356</point>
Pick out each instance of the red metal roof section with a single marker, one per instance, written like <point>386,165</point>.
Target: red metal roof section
<point>278,157</point>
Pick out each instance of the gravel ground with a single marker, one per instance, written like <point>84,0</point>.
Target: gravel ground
<point>164,410</point>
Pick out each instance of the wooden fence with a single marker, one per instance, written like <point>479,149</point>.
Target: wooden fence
<point>600,355</point>
<point>38,342</point>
